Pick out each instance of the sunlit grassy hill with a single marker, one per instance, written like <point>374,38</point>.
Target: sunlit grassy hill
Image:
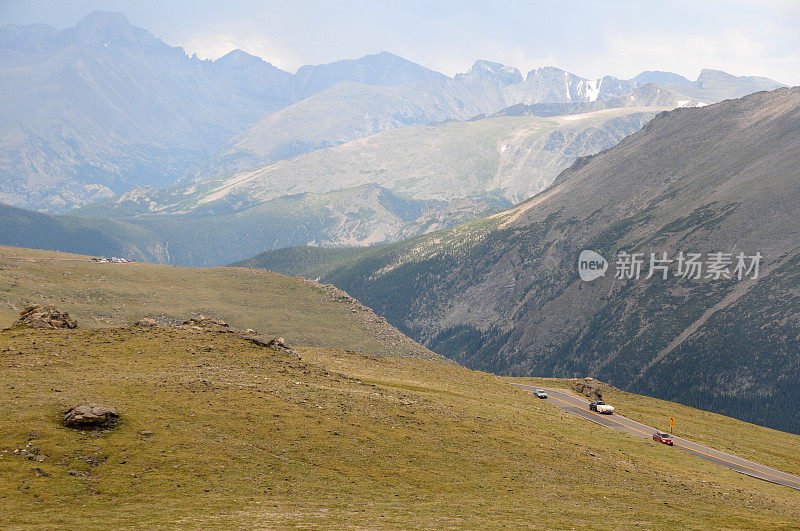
<point>104,294</point>
<point>218,432</point>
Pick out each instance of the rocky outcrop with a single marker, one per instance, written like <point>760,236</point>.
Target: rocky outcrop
<point>588,387</point>
<point>202,321</point>
<point>91,416</point>
<point>38,316</point>
<point>275,343</point>
<point>146,322</point>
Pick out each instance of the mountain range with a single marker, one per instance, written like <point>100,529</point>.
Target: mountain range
<point>379,189</point>
<point>94,110</point>
<point>503,293</point>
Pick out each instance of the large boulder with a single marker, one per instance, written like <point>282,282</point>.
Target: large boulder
<point>589,388</point>
<point>38,316</point>
<point>90,416</point>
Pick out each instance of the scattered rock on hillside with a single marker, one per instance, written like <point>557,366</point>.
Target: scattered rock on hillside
<point>38,316</point>
<point>275,343</point>
<point>90,416</point>
<point>146,322</point>
<point>206,322</point>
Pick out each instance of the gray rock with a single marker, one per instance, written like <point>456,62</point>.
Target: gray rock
<point>38,316</point>
<point>91,416</point>
<point>275,343</point>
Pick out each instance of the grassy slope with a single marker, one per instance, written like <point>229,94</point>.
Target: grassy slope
<point>243,436</point>
<point>101,295</point>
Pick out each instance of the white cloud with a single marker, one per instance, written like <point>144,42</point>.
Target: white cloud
<point>737,50</point>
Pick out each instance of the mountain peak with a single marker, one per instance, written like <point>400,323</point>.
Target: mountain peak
<point>547,72</point>
<point>108,27</point>
<point>731,86</point>
<point>707,73</point>
<point>382,68</point>
<point>660,77</point>
<point>497,73</point>
<point>239,58</point>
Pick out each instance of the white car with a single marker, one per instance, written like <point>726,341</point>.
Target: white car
<point>601,407</point>
<point>540,393</point>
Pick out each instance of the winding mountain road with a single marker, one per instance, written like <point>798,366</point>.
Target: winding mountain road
<point>580,408</point>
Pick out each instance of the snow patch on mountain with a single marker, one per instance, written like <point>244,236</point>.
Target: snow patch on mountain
<point>592,90</point>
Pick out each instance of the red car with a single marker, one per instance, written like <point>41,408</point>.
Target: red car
<point>662,437</point>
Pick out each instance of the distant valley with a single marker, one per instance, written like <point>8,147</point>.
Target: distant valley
<point>379,189</point>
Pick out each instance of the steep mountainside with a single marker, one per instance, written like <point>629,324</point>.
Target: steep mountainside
<point>97,108</point>
<point>509,157</point>
<point>350,111</point>
<point>103,106</point>
<point>503,294</point>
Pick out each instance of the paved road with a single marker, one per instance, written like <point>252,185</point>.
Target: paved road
<point>618,422</point>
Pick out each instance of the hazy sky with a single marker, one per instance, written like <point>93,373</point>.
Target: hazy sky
<point>588,38</point>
